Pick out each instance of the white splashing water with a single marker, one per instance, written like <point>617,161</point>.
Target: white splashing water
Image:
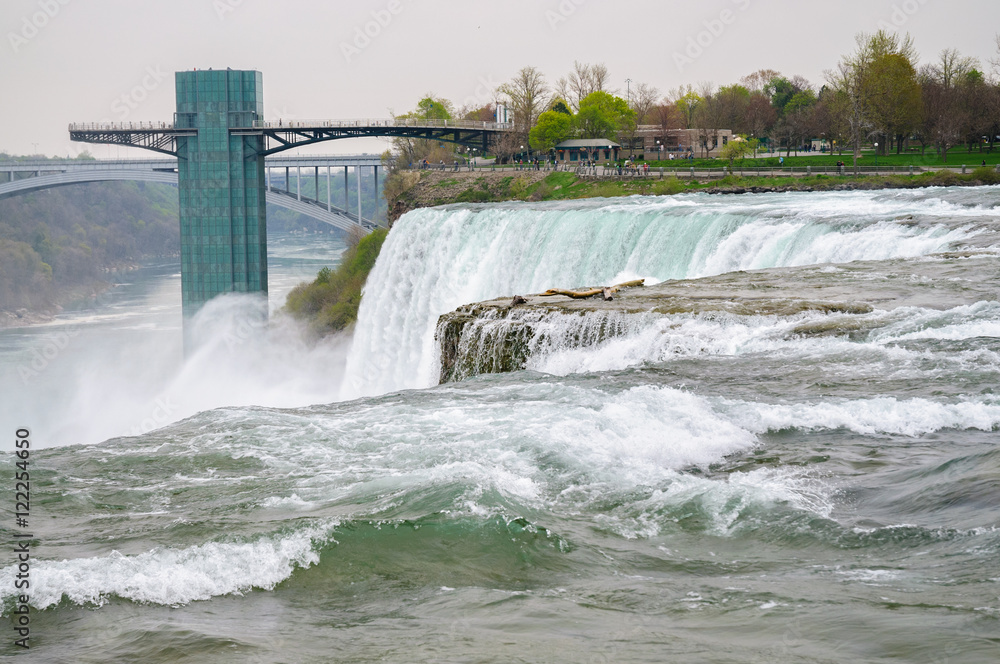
<point>111,388</point>
<point>174,576</point>
<point>632,444</point>
<point>648,338</point>
<point>440,258</point>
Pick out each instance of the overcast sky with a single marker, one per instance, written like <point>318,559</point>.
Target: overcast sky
<point>67,61</point>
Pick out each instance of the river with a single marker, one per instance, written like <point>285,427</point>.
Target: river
<point>708,486</point>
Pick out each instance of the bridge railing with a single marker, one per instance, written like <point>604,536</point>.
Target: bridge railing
<point>124,126</point>
<point>302,124</point>
<point>390,123</point>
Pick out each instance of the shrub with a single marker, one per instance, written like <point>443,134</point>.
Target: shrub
<point>330,303</point>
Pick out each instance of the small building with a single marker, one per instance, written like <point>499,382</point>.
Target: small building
<point>655,142</point>
<point>576,150</point>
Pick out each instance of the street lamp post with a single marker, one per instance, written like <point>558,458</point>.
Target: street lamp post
<point>876,158</point>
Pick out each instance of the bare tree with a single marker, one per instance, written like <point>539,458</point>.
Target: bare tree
<point>759,115</point>
<point>995,61</point>
<point>582,81</point>
<point>643,100</point>
<point>849,80</point>
<point>667,116</point>
<point>561,90</point>
<point>854,79</point>
<point>526,93</point>
<point>505,145</point>
<point>946,118</point>
<point>579,83</point>
<point>599,78</point>
<point>708,118</point>
<point>756,81</point>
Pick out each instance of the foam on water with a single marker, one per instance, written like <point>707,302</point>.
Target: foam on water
<point>879,415</point>
<point>981,319</point>
<point>174,576</point>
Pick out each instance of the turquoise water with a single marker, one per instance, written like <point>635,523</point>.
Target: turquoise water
<point>709,487</point>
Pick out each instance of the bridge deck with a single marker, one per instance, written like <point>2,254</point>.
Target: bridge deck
<point>283,135</point>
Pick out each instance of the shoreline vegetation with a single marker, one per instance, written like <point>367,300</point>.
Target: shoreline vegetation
<point>330,303</point>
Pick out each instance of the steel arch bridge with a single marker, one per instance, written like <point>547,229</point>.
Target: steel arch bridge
<point>23,177</point>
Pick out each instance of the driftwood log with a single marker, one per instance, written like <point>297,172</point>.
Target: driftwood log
<point>606,292</point>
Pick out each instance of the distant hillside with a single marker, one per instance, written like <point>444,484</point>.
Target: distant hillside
<point>59,244</point>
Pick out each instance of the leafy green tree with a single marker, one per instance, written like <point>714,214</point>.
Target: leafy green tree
<point>560,106</point>
<point>603,115</point>
<point>798,121</point>
<point>734,101</point>
<point>781,91</point>
<point>415,150</point>
<point>552,127</point>
<point>738,147</point>
<point>896,102</point>
<point>858,81</point>
<point>430,108</point>
<point>687,106</point>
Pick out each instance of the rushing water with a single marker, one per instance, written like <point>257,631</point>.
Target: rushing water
<point>709,486</point>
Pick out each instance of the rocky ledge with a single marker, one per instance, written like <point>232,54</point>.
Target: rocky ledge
<point>504,334</point>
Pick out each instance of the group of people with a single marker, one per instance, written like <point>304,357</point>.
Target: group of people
<point>529,164</point>
<point>630,167</point>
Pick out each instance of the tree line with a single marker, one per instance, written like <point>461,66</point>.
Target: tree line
<point>878,94</point>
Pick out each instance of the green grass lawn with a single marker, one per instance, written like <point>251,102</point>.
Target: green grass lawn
<point>956,157</point>
<point>563,185</point>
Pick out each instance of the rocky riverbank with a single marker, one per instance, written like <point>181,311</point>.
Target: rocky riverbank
<point>23,318</point>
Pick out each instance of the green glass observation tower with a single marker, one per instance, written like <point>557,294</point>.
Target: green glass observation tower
<point>221,185</point>
<point>220,140</point>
